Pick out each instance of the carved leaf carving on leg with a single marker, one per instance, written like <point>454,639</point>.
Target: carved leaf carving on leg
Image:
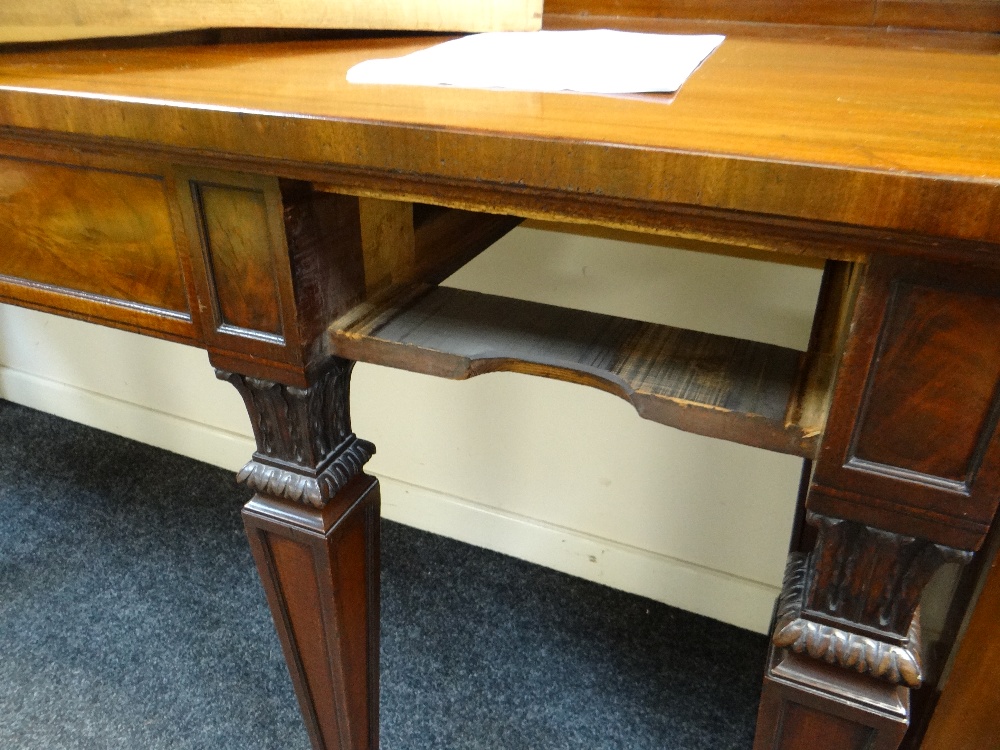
<point>864,654</point>
<point>870,576</point>
<point>306,451</point>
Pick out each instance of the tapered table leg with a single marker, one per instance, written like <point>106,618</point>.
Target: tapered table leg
<point>320,569</point>
<point>314,530</point>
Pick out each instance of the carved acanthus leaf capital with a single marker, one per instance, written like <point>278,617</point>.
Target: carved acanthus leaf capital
<point>899,664</point>
<point>306,451</point>
<point>316,490</point>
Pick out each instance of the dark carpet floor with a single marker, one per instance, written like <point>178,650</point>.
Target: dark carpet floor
<point>131,617</point>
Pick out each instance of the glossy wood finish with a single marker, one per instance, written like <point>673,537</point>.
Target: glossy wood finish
<point>846,13</point>
<point>806,703</point>
<point>320,570</point>
<point>928,332</point>
<point>914,335</point>
<point>911,126</point>
<point>894,37</point>
<point>314,531</point>
<point>963,15</point>
<point>240,256</point>
<point>95,236</point>
<point>957,15</point>
<point>99,232</point>
<point>904,482</point>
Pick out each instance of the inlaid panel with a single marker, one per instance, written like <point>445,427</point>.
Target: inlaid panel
<point>913,441</point>
<point>101,232</point>
<point>937,422</point>
<point>240,257</point>
<point>274,263</point>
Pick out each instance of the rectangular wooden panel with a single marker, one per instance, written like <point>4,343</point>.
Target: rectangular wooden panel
<point>946,342</point>
<point>240,254</point>
<point>38,20</point>
<point>100,232</point>
<point>274,263</point>
<point>240,259</point>
<point>913,440</point>
<point>713,385</point>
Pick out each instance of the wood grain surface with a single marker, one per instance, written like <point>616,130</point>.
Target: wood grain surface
<point>958,15</point>
<point>101,232</point>
<point>966,15</point>
<point>713,385</point>
<point>38,20</point>
<point>320,573</point>
<point>850,712</point>
<point>912,443</point>
<point>843,12</point>
<point>824,134</point>
<point>240,257</point>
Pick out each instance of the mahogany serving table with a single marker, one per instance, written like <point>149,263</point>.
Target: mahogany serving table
<point>245,199</point>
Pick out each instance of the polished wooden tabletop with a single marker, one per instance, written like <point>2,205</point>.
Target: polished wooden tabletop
<point>871,136</point>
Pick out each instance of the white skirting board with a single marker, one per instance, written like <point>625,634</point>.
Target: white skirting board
<point>719,595</point>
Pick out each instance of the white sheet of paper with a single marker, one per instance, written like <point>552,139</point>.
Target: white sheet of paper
<point>600,61</point>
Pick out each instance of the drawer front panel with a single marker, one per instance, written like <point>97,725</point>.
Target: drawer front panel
<point>101,232</point>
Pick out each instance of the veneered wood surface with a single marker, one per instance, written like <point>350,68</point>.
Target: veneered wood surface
<point>912,443</point>
<point>960,15</point>
<point>713,385</point>
<point>950,402</point>
<point>102,232</point>
<point>225,244</point>
<point>843,12</point>
<point>966,15</point>
<point>237,238</point>
<point>810,131</point>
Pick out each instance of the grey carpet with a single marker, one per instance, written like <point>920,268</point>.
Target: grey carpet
<point>131,617</point>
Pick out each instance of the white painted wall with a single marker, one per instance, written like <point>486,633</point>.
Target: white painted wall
<point>554,473</point>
